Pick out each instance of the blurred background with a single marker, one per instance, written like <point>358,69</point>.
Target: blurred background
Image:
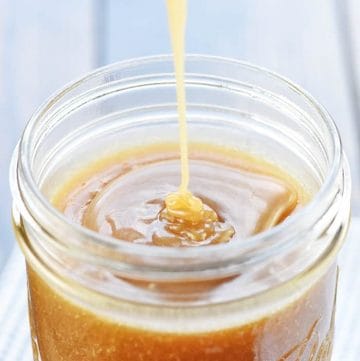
<point>46,43</point>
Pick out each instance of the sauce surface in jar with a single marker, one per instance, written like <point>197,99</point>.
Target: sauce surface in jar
<point>123,196</point>
<point>239,196</point>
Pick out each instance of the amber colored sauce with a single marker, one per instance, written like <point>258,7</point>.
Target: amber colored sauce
<point>182,205</point>
<point>177,10</point>
<point>122,196</point>
<point>133,197</point>
<point>238,194</point>
<point>65,331</point>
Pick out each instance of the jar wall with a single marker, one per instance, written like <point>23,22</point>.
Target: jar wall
<point>78,314</point>
<point>64,330</point>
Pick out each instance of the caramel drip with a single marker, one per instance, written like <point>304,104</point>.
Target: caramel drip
<point>126,199</point>
<point>183,209</point>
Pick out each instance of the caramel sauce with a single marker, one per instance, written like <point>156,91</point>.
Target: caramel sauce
<point>123,196</point>
<point>63,330</point>
<point>236,196</point>
<point>182,209</point>
<point>132,197</point>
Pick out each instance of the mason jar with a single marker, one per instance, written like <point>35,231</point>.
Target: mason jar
<point>269,297</point>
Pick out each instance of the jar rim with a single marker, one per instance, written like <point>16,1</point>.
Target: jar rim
<point>276,237</point>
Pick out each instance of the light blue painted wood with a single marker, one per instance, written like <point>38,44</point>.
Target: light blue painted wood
<point>139,28</point>
<point>353,11</point>
<point>43,45</point>
<point>299,39</point>
<point>135,28</point>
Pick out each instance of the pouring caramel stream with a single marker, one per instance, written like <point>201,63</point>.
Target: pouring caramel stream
<point>182,204</point>
<point>184,212</point>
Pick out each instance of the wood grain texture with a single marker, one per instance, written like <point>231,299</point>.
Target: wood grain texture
<point>347,332</point>
<point>6,143</point>
<point>353,13</point>
<point>43,45</point>
<point>348,18</point>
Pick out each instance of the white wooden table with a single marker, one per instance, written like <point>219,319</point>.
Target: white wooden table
<point>316,43</point>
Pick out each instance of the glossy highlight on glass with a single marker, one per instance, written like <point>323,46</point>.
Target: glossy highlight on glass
<point>93,297</point>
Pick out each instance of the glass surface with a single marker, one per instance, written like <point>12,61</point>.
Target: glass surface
<point>81,307</point>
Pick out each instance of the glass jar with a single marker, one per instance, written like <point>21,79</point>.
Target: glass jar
<point>270,297</point>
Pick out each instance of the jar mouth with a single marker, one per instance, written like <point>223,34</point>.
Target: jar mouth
<point>37,209</point>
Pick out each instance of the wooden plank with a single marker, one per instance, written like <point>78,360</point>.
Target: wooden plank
<point>299,39</point>
<point>347,345</point>
<point>135,28</point>
<point>5,144</point>
<point>353,18</point>
<point>43,45</point>
<point>348,19</point>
